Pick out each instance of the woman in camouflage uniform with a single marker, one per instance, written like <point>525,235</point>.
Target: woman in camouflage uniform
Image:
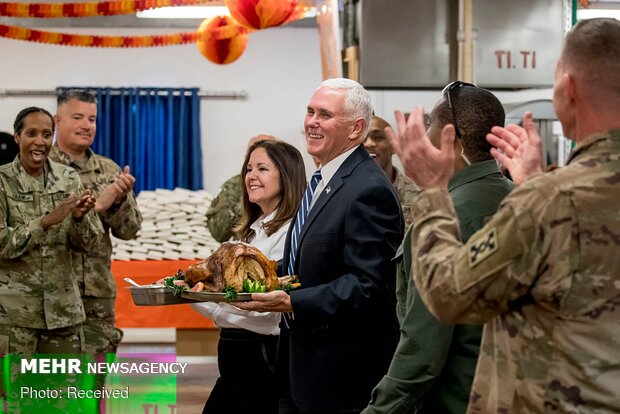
<point>44,211</point>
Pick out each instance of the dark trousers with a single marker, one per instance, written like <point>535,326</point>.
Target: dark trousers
<point>286,404</point>
<point>247,382</point>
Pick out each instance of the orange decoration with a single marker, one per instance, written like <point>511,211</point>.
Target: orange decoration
<point>100,8</point>
<point>65,39</point>
<point>221,39</point>
<point>261,14</point>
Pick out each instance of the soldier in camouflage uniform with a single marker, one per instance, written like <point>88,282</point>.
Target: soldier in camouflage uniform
<point>544,272</point>
<point>381,150</point>
<point>226,209</point>
<point>41,219</point>
<point>116,206</point>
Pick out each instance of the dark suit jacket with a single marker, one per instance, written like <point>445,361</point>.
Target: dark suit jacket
<point>345,330</point>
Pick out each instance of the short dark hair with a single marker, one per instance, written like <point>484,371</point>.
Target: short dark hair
<point>477,111</point>
<point>81,95</point>
<point>289,162</point>
<point>18,125</point>
<point>592,48</point>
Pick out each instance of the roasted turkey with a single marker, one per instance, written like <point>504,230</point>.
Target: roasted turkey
<point>230,265</point>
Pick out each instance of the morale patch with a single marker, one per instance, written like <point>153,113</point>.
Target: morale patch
<point>484,246</point>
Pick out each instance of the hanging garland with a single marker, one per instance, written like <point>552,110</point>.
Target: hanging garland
<point>220,39</point>
<point>105,8</point>
<point>88,9</point>
<point>65,39</point>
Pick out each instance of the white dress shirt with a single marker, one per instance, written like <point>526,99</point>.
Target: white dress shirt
<point>225,315</point>
<point>327,172</point>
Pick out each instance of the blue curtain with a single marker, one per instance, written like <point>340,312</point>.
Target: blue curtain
<point>156,131</point>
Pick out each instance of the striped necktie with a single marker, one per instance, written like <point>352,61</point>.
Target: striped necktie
<point>300,218</point>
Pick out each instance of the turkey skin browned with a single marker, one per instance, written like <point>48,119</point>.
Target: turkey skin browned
<point>230,265</point>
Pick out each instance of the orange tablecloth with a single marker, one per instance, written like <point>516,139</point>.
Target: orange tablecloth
<point>129,315</point>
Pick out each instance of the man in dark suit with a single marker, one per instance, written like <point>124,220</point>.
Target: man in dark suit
<point>339,330</point>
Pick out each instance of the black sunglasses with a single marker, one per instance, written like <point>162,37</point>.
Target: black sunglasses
<point>447,94</point>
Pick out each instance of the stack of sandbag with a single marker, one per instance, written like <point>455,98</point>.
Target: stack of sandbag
<point>173,227</point>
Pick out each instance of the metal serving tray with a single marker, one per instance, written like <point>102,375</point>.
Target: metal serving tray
<point>155,295</point>
<point>214,297</point>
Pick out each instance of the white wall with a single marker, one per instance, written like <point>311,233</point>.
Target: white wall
<point>279,70</point>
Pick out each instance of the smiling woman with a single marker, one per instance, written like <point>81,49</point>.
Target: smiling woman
<point>44,213</point>
<point>274,182</point>
<point>262,181</point>
<point>34,130</point>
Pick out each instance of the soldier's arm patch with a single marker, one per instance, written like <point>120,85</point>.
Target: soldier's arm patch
<point>496,249</point>
<point>482,246</point>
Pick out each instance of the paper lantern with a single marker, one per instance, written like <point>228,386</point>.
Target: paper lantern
<point>261,14</point>
<point>221,39</point>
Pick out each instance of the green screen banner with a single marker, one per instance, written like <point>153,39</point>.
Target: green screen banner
<point>123,383</point>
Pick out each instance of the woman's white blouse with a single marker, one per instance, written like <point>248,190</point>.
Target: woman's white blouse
<point>225,315</point>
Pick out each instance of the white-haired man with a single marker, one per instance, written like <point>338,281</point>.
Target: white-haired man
<point>339,329</point>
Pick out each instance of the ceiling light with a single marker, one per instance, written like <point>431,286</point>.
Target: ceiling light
<point>184,12</point>
<point>197,12</point>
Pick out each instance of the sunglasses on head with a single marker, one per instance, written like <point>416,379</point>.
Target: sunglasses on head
<point>447,92</point>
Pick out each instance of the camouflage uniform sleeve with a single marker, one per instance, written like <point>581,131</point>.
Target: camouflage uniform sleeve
<point>17,240</point>
<point>225,210</point>
<point>124,219</point>
<point>473,283</point>
<point>406,190</point>
<point>85,233</point>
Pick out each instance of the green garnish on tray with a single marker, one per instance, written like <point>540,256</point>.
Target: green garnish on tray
<point>176,288</point>
<point>230,293</point>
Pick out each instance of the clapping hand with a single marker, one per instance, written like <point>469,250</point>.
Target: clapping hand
<point>84,205</point>
<point>77,206</point>
<point>116,192</point>
<point>124,183</point>
<point>518,149</point>
<point>426,165</point>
